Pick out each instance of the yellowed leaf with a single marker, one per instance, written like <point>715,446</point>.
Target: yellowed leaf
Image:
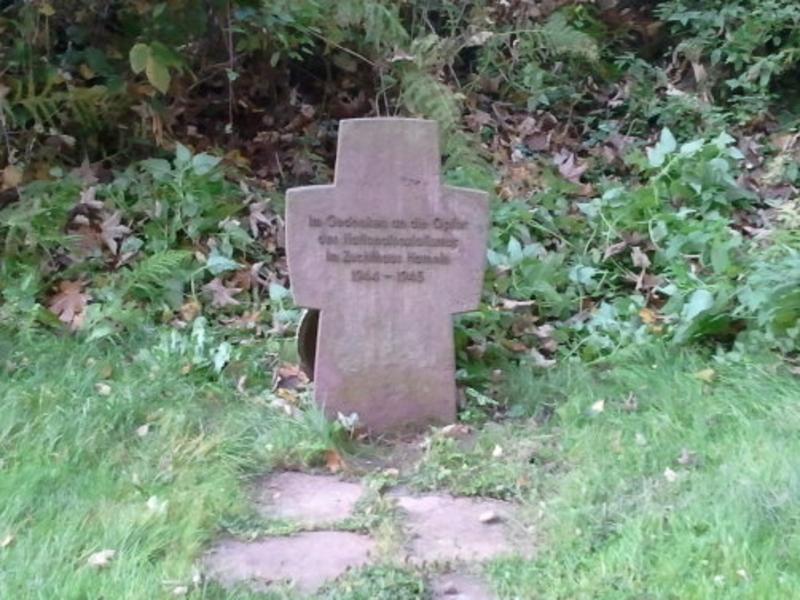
<point>648,316</point>
<point>12,177</point>
<point>706,375</point>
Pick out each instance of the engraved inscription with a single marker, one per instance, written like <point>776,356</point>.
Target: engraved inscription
<point>400,250</point>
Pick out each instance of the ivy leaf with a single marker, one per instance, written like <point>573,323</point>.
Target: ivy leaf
<point>700,301</point>
<point>182,154</point>
<point>203,163</point>
<point>157,74</point>
<point>139,55</point>
<point>666,145</point>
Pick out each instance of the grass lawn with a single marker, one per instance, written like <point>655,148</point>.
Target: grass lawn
<point>650,477</point>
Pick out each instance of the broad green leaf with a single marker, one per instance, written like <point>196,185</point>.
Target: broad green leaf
<point>667,142</point>
<point>217,264</point>
<point>666,145</point>
<point>690,148</point>
<point>203,163</point>
<point>182,154</point>
<point>139,55</point>
<point>700,301</point>
<point>157,74</point>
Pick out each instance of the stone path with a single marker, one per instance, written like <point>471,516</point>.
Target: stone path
<point>440,531</point>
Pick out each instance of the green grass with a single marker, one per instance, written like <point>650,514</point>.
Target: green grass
<point>76,477</point>
<point>616,524</point>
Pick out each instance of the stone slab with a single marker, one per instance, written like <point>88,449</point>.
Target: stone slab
<point>444,528</point>
<point>387,254</point>
<point>305,561</point>
<point>306,499</point>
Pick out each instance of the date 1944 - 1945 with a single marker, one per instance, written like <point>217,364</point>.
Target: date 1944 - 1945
<point>362,275</point>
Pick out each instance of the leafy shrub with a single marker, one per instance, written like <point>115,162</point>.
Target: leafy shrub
<point>742,47</point>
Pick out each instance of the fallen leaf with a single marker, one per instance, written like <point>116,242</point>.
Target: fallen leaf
<point>334,461</point>
<point>706,375</point>
<point>509,304</point>
<point>540,361</point>
<point>69,305</point>
<point>614,249</point>
<point>111,230</point>
<point>289,377</point>
<point>568,166</point>
<point>221,296</point>
<point>648,316</point>
<point>639,258</point>
<point>257,217</point>
<point>12,177</point>
<point>88,198</point>
<point>190,310</point>
<point>456,430</point>
<point>598,407</point>
<point>101,559</point>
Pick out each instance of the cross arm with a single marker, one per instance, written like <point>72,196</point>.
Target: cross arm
<point>304,255</point>
<point>473,207</point>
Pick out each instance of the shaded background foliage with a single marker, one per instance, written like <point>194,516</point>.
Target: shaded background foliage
<point>642,158</point>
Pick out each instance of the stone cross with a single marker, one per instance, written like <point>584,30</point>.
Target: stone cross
<point>388,254</point>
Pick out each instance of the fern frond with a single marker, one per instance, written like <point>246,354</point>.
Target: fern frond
<point>151,273</point>
<point>558,38</point>
<point>423,95</point>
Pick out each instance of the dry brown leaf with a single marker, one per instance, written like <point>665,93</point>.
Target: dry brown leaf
<point>12,177</point>
<point>614,249</point>
<point>639,258</point>
<point>648,316</point>
<point>69,304</point>
<point>456,430</point>
<point>568,166</point>
<point>221,296</point>
<point>111,230</point>
<point>334,461</point>
<point>289,377</point>
<point>190,310</point>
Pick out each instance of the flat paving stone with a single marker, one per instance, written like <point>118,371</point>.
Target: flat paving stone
<point>308,500</point>
<point>460,586</point>
<point>306,560</point>
<point>444,528</point>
